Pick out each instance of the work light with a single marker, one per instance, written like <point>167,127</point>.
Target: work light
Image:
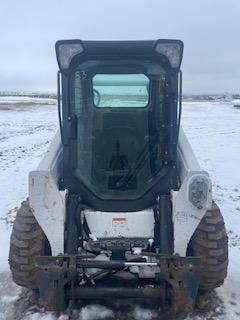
<point>66,50</point>
<point>198,191</point>
<point>172,50</point>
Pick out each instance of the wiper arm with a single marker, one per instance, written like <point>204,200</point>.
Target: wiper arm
<point>135,168</point>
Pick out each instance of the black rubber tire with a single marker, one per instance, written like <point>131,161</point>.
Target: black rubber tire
<point>27,241</point>
<point>211,242</point>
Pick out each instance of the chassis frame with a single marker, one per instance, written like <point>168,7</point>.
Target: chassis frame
<point>57,280</point>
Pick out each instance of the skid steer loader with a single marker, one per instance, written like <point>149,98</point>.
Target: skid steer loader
<point>119,206</point>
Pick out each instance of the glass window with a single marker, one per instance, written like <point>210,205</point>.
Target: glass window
<point>120,154</point>
<point>120,90</point>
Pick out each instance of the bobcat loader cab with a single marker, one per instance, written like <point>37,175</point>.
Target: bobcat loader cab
<point>120,203</point>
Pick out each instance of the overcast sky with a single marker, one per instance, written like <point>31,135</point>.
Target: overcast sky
<point>210,30</point>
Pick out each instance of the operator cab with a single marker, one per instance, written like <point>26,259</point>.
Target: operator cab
<point>119,120</point>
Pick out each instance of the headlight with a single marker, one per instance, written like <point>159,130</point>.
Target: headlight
<point>66,50</point>
<point>172,50</point>
<point>198,191</point>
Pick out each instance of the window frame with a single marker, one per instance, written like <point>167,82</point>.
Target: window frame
<point>77,182</point>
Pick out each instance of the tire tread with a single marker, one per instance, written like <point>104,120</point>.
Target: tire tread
<point>26,242</point>
<point>211,242</point>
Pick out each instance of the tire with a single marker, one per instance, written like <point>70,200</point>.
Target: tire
<point>27,242</point>
<point>211,242</point>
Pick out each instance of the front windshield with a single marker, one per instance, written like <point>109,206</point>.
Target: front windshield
<point>121,116</point>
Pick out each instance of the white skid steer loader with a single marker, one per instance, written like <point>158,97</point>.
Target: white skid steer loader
<point>119,206</point>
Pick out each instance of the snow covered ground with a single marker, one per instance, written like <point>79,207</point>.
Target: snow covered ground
<point>25,132</point>
<point>18,102</point>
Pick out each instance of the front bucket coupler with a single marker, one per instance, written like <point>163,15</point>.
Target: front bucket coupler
<point>58,281</point>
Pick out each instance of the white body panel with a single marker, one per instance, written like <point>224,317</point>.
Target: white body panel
<point>46,201</point>
<point>186,216</point>
<point>138,224</point>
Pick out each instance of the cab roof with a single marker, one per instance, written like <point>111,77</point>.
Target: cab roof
<point>69,50</point>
